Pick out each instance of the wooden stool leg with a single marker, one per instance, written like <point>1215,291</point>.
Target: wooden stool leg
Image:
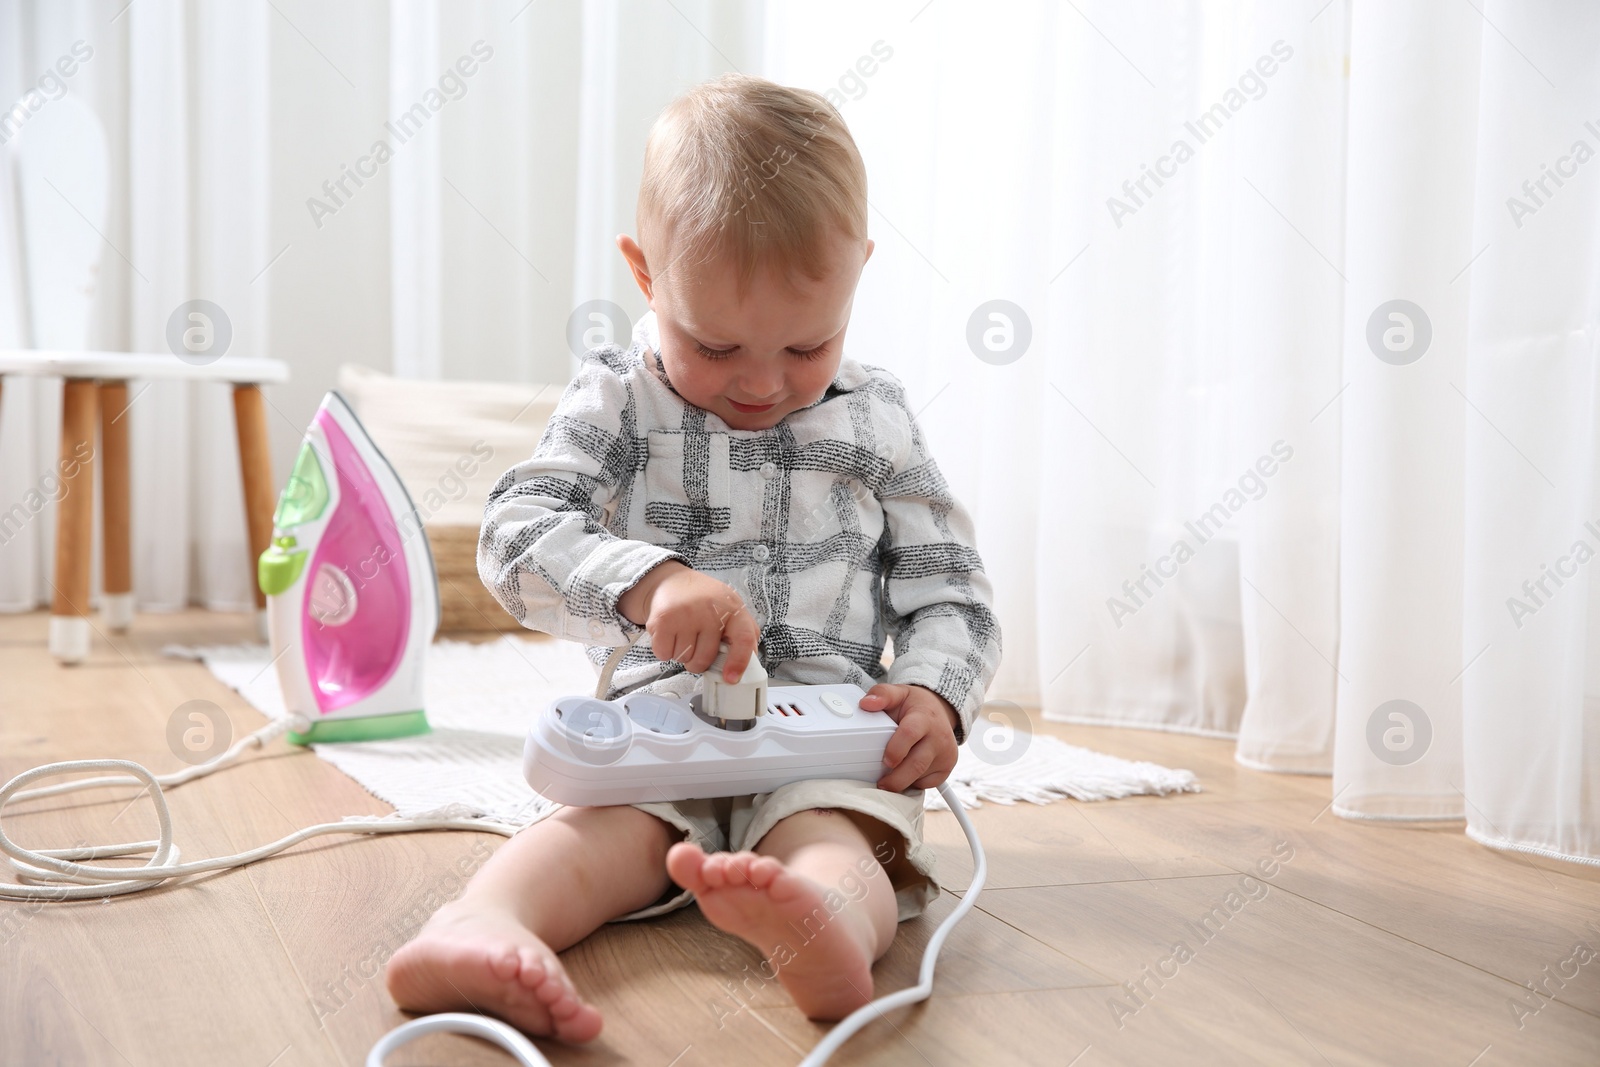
<point>69,610</point>
<point>255,462</point>
<point>117,606</point>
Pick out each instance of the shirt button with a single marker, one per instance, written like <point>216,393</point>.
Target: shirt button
<point>762,552</point>
<point>768,469</point>
<point>596,627</point>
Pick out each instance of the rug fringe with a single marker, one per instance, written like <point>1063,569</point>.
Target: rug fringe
<point>1049,770</point>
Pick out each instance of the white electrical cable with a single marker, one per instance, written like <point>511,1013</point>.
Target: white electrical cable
<point>459,1022</point>
<point>603,683</point>
<point>52,874</point>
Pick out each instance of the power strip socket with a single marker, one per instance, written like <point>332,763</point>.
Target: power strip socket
<point>650,747</point>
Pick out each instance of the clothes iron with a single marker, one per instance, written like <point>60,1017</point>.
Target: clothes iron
<point>352,593</point>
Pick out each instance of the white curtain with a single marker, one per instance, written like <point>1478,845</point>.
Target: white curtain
<point>1531,687</point>
<point>1230,487</point>
<point>1270,382</point>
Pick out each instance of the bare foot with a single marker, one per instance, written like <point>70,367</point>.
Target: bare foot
<point>823,960</point>
<point>484,961</point>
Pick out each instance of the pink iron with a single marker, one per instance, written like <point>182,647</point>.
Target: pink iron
<point>352,594</point>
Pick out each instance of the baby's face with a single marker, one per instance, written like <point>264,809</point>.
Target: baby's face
<point>756,360</point>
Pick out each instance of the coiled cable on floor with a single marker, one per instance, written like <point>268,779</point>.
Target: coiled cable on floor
<point>56,874</point>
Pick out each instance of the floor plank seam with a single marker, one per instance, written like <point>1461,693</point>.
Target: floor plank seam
<point>1425,948</point>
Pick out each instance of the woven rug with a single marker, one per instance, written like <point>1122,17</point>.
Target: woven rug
<point>481,696</point>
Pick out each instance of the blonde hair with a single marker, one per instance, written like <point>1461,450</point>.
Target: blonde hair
<point>755,171</point>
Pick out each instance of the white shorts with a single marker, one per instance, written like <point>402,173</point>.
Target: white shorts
<point>737,824</point>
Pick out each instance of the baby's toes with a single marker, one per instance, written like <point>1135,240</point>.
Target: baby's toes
<point>562,1001</point>
<point>531,971</point>
<point>554,989</point>
<point>574,1020</point>
<point>762,870</point>
<point>503,963</point>
<point>740,868</point>
<point>785,885</point>
<point>716,870</point>
<point>550,992</point>
<point>686,865</point>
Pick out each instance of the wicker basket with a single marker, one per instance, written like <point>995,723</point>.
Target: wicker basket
<point>465,606</point>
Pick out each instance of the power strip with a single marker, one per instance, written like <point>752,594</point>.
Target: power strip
<point>648,747</point>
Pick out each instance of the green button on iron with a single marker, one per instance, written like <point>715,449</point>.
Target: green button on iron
<point>279,566</point>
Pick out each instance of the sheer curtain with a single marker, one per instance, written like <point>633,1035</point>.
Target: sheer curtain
<point>1531,603</point>
<point>1260,338</point>
<point>1307,398</point>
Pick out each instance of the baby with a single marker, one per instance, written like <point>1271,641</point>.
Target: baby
<point>731,477</point>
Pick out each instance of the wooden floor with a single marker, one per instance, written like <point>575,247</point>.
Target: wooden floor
<point>1366,945</point>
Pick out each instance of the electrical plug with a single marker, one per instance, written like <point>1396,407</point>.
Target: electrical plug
<point>741,700</point>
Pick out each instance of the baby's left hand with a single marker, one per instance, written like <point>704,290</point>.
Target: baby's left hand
<point>922,752</point>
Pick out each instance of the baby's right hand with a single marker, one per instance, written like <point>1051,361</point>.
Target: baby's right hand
<point>688,615</point>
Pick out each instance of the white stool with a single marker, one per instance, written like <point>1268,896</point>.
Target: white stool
<point>95,394</point>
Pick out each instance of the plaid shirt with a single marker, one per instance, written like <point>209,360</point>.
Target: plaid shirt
<point>835,526</point>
